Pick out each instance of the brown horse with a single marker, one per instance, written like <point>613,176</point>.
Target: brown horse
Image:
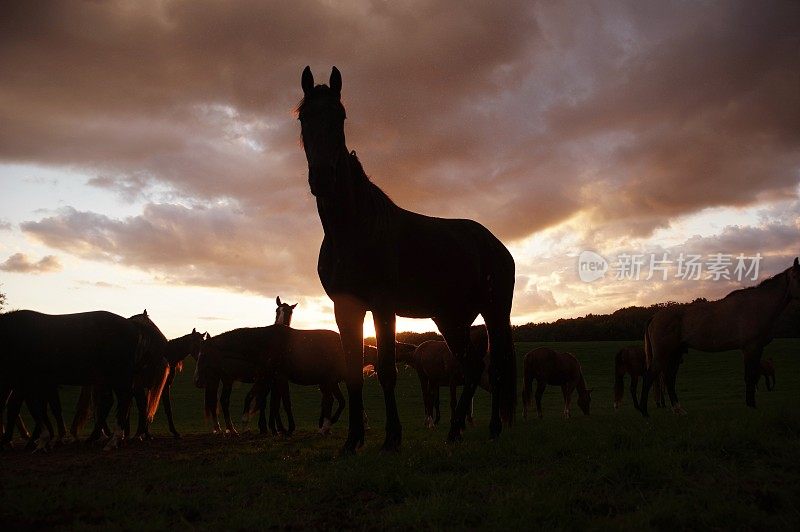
<point>275,354</point>
<point>632,360</point>
<point>548,366</point>
<point>767,369</point>
<point>741,320</point>
<point>436,366</point>
<point>376,256</point>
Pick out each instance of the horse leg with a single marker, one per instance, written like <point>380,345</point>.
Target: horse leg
<point>37,405</point>
<point>275,423</point>
<point>387,375</point>
<point>249,399</point>
<point>453,399</point>
<point>140,396</point>
<point>634,389</point>
<point>337,393</point>
<point>103,401</point>
<point>427,401</point>
<point>326,408</point>
<point>82,411</point>
<point>527,384</point>
<point>457,338</point>
<point>23,430</point>
<point>436,405</point>
<point>166,401</point>
<point>225,403</point>
<point>122,391</point>
<point>752,365</point>
<point>350,320</point>
<point>669,380</point>
<point>502,363</point>
<point>540,386</point>
<point>566,390</point>
<point>13,406</point>
<point>261,399</point>
<point>211,405</point>
<point>55,406</point>
<point>286,399</point>
<point>660,390</point>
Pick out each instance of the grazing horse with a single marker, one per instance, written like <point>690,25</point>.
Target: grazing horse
<point>42,351</point>
<point>767,369</point>
<point>741,320</point>
<point>378,257</point>
<point>436,366</point>
<point>632,360</point>
<point>276,354</point>
<point>548,366</point>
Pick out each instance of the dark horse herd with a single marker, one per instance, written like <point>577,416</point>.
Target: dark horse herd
<point>377,257</point>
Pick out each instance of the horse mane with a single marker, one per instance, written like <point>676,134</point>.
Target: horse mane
<point>766,283</point>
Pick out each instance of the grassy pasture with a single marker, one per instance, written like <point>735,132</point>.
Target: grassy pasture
<point>721,466</point>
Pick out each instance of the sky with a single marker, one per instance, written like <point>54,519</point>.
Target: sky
<point>150,153</point>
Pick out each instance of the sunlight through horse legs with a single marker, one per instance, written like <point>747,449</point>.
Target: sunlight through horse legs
<point>429,424</point>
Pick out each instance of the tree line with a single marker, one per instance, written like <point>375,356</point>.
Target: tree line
<point>627,323</point>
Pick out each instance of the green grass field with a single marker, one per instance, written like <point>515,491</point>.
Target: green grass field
<point>721,466</point>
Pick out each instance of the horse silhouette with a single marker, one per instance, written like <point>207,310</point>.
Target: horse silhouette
<point>378,257</point>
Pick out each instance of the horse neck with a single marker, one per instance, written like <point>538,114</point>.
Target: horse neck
<point>356,208</point>
<point>581,387</point>
<point>178,349</point>
<point>772,297</point>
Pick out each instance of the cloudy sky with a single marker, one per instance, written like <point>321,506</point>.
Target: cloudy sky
<point>150,157</point>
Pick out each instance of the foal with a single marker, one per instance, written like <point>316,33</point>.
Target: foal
<point>633,361</point>
<point>560,369</point>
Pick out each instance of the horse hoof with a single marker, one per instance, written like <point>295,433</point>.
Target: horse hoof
<point>455,435</point>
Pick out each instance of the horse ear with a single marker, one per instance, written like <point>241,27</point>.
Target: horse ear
<point>194,330</point>
<point>294,305</point>
<point>307,80</point>
<point>278,301</point>
<point>335,82</point>
<point>208,336</point>
<point>145,312</point>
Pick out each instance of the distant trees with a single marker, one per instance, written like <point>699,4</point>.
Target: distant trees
<point>627,324</point>
<point>624,324</point>
<point>2,301</point>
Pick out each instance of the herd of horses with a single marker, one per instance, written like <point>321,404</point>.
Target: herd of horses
<point>378,257</point>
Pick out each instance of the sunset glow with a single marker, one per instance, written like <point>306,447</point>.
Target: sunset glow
<point>166,173</point>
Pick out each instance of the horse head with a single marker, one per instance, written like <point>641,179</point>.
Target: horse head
<point>322,117</point>
<point>196,343</point>
<point>584,399</point>
<point>283,314</point>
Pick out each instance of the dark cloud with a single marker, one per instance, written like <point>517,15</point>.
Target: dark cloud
<point>519,114</point>
<point>20,263</point>
<point>207,246</point>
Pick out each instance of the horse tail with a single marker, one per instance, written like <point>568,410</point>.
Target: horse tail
<point>154,394</point>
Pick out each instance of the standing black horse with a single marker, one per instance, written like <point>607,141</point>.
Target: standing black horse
<point>381,258</point>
